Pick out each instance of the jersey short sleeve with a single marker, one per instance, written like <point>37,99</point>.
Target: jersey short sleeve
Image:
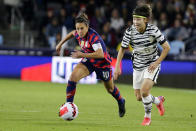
<point>160,38</point>
<point>126,38</point>
<point>97,46</point>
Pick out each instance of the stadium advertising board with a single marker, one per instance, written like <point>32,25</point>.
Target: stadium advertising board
<point>12,66</point>
<point>62,68</point>
<point>39,68</point>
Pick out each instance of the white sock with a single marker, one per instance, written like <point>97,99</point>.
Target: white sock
<point>147,102</point>
<point>155,100</point>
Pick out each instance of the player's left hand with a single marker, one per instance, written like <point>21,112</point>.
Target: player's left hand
<point>152,67</point>
<point>76,54</point>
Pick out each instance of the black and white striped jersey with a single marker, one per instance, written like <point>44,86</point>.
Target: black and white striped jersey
<point>145,45</point>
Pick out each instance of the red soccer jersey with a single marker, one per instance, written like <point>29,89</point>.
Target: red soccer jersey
<point>87,43</point>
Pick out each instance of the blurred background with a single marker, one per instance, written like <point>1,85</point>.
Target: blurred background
<point>30,30</point>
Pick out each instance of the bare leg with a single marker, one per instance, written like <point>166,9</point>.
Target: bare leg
<point>79,72</point>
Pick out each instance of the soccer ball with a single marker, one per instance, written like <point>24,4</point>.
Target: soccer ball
<point>68,111</point>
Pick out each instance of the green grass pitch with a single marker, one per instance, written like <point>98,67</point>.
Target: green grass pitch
<point>33,106</point>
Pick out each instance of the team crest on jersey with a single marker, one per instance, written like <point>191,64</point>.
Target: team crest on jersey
<point>151,39</point>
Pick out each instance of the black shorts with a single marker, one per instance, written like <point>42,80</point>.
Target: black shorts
<point>104,74</point>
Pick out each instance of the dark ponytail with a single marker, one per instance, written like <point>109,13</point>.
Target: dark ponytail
<point>82,18</point>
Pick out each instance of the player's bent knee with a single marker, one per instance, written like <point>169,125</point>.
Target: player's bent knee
<point>144,94</point>
<point>73,78</point>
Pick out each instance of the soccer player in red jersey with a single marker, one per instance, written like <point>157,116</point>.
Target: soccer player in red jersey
<point>94,58</point>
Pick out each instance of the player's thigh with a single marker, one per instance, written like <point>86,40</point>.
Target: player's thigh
<point>147,84</point>
<point>152,75</point>
<point>149,80</point>
<point>79,72</point>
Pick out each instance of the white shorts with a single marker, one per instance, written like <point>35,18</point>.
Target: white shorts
<point>139,76</point>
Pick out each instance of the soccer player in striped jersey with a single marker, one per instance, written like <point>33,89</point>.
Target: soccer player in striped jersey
<point>94,58</point>
<point>144,39</point>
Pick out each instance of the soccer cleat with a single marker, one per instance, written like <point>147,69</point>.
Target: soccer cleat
<point>121,108</point>
<point>160,106</point>
<point>146,121</point>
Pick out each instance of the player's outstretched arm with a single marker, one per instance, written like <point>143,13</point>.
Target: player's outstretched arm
<point>117,70</point>
<point>68,36</point>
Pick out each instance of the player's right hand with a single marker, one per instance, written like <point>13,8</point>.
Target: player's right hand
<point>117,72</point>
<point>58,48</point>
